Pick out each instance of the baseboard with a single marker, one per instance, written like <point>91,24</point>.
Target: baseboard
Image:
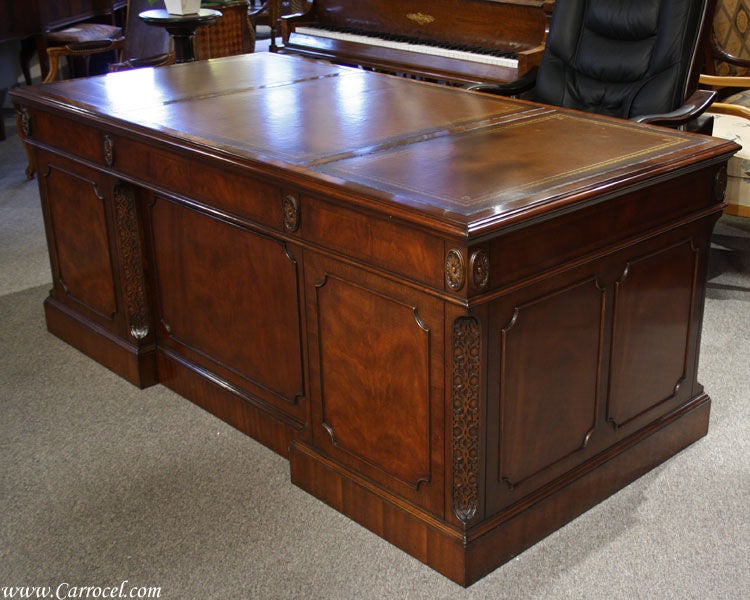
<point>270,427</point>
<point>136,364</point>
<point>466,557</point>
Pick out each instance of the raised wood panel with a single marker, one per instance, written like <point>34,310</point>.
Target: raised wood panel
<point>377,396</point>
<point>82,263</point>
<point>56,130</point>
<point>98,302</point>
<point>549,372</point>
<point>249,198</point>
<point>383,419</point>
<point>229,301</point>
<point>54,14</point>
<point>654,301</point>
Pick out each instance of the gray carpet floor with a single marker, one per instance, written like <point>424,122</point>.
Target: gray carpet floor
<point>101,483</point>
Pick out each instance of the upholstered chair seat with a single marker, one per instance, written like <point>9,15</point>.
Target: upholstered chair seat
<point>85,34</point>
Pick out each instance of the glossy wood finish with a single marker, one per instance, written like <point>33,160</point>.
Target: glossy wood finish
<point>465,319</point>
<point>518,27</point>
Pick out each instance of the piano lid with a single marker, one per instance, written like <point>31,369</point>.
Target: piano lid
<point>503,24</point>
<point>384,30</point>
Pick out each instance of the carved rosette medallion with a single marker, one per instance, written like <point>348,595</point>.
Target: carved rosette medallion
<point>134,286</point>
<point>109,150</point>
<point>465,417</point>
<point>290,208</point>
<point>720,183</point>
<point>454,270</point>
<point>479,266</point>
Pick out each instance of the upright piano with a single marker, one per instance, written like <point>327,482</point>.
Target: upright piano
<point>451,41</point>
<point>32,19</point>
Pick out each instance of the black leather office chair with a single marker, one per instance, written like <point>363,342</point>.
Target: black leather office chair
<point>637,60</point>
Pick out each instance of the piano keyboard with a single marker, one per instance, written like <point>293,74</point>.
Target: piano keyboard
<point>478,56</point>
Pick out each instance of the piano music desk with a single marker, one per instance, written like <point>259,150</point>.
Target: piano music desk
<point>464,319</point>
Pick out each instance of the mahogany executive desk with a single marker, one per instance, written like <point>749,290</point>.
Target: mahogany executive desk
<point>464,319</point>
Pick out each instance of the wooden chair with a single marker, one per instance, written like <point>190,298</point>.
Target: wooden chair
<point>232,34</point>
<point>140,45</point>
<point>638,61</point>
<point>269,12</point>
<point>727,70</point>
<point>727,63</point>
<point>81,36</point>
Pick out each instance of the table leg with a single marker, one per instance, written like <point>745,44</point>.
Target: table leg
<point>183,43</point>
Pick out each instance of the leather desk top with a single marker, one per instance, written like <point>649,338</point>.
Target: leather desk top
<point>470,159</point>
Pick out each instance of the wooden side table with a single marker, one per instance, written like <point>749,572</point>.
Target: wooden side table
<point>181,28</point>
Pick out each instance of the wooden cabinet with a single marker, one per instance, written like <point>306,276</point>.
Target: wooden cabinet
<point>582,360</point>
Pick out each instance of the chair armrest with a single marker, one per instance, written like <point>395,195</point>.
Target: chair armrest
<point>693,107</point>
<point>727,81</point>
<point>722,108</point>
<point>512,88</point>
<point>159,60</point>
<point>54,53</point>
<point>722,55</point>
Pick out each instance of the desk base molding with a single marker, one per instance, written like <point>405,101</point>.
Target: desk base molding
<point>274,430</point>
<point>136,364</point>
<point>466,558</point>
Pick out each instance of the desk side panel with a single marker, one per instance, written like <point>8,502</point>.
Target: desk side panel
<point>376,378</point>
<point>584,359</point>
<point>98,302</point>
